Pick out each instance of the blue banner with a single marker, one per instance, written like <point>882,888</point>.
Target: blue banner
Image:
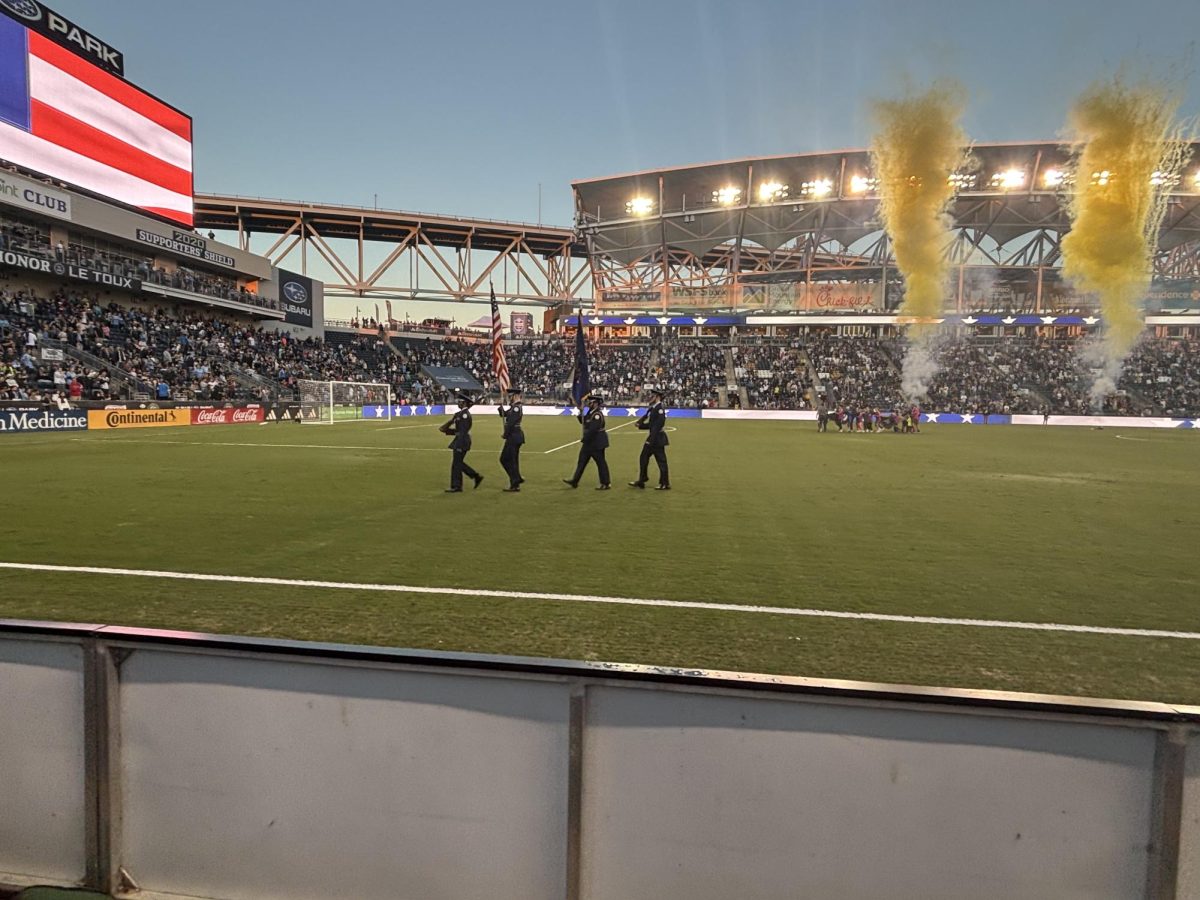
<point>25,420</point>
<point>381,412</point>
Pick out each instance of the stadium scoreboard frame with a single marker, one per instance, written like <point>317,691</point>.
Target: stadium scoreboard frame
<point>67,113</point>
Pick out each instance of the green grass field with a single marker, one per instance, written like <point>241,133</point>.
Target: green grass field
<point>1052,525</point>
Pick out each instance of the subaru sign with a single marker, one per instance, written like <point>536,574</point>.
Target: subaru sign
<point>25,420</point>
<point>295,298</point>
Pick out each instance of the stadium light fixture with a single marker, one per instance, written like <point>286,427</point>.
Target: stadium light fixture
<point>770,191</point>
<point>1053,178</point>
<point>1196,179</point>
<point>819,187</point>
<point>1164,179</point>
<point>1009,179</point>
<point>860,184</point>
<point>727,196</point>
<point>962,181</point>
<point>639,206</point>
<point>1102,177</point>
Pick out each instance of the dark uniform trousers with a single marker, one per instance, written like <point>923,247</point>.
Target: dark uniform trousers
<point>660,456</point>
<point>459,468</point>
<point>586,454</point>
<point>510,459</point>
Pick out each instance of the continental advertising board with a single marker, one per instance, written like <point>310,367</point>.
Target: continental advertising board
<point>138,418</point>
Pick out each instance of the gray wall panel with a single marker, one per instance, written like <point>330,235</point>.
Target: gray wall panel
<point>697,797</point>
<point>1189,847</point>
<point>41,760</point>
<point>261,779</point>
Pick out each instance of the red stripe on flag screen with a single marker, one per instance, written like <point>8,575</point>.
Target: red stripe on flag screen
<point>93,130</point>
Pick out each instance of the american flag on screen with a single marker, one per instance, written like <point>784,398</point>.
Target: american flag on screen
<point>64,117</point>
<point>499,363</point>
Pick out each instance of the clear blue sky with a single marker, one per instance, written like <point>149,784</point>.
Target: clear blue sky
<point>464,107</point>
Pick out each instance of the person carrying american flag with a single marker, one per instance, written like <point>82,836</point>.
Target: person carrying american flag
<point>514,435</point>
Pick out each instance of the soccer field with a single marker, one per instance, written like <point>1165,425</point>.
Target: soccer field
<point>826,544</point>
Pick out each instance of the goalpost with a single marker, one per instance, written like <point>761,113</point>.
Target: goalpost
<point>327,402</point>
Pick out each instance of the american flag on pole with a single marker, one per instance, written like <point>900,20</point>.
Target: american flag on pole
<point>499,364</point>
<point>66,118</point>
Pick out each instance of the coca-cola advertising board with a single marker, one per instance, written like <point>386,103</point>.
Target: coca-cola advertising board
<point>212,415</point>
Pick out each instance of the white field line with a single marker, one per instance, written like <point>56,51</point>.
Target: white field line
<point>298,446</point>
<point>407,427</point>
<point>573,443</point>
<point>626,601</point>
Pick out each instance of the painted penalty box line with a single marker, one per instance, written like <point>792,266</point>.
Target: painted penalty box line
<point>626,601</point>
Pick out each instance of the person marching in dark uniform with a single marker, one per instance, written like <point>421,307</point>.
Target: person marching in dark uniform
<point>655,421</point>
<point>514,437</point>
<point>593,444</point>
<point>460,427</point>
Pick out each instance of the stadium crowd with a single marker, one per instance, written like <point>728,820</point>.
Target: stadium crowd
<point>691,372</point>
<point>112,350</point>
<point>773,373</point>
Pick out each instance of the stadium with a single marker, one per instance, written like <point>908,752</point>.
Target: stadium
<point>250,645</point>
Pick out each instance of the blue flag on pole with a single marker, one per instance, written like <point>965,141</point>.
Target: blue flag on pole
<point>580,384</point>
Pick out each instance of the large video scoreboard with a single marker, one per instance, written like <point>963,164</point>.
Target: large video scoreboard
<point>66,113</point>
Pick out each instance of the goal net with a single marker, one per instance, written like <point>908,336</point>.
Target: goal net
<point>326,402</point>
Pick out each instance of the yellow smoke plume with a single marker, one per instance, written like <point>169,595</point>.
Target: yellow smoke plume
<point>919,143</point>
<point>1127,148</point>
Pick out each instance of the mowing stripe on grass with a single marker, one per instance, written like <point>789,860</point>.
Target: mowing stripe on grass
<point>628,601</point>
<point>298,446</point>
<point>573,443</point>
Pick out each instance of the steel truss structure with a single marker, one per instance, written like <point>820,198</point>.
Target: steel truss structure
<point>412,255</point>
<point>661,239</point>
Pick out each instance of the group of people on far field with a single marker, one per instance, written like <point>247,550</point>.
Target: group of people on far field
<point>904,420</point>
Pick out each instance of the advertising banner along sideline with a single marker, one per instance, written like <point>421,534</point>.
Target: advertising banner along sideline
<point>138,418</point>
<point>212,415</point>
<point>26,420</point>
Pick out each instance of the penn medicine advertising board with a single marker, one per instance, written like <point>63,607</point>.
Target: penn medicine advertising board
<point>24,420</point>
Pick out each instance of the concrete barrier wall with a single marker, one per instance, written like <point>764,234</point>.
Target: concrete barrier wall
<point>262,778</point>
<point>714,797</point>
<point>42,812</point>
<point>1189,849</point>
<point>262,769</point>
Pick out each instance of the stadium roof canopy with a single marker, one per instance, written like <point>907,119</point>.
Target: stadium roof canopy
<point>1006,192</point>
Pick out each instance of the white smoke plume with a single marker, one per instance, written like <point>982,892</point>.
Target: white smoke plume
<point>1102,368</point>
<point>922,362</point>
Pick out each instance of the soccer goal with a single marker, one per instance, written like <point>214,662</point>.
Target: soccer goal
<point>326,402</point>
